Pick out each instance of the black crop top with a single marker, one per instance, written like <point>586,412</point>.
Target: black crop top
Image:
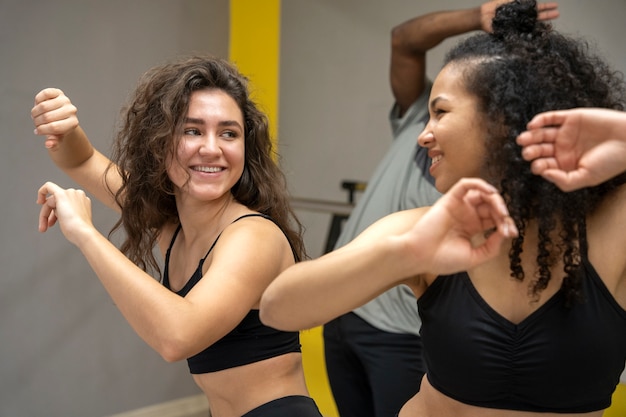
<point>559,359</point>
<point>251,341</point>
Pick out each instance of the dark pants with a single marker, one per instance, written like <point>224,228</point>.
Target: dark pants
<point>292,406</point>
<point>372,373</point>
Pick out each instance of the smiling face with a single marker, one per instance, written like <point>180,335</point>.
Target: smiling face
<point>211,153</point>
<point>455,134</point>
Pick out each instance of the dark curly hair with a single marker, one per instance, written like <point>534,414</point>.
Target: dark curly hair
<point>523,68</point>
<point>150,131</point>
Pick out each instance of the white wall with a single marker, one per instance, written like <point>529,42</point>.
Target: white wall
<point>65,350</point>
<point>335,92</point>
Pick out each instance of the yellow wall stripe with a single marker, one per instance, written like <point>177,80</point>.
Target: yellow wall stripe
<point>254,48</point>
<point>618,402</point>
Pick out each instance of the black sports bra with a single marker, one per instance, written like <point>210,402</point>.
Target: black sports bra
<point>559,359</point>
<point>251,341</point>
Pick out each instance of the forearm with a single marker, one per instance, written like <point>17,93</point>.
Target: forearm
<point>75,156</point>
<point>420,34</point>
<point>314,292</point>
<point>152,311</point>
<point>410,42</point>
<point>72,150</point>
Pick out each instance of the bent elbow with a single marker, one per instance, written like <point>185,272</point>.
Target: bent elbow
<point>173,351</point>
<point>171,356</point>
<point>397,38</point>
<point>268,312</point>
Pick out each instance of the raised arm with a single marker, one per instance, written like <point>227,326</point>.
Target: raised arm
<point>55,117</point>
<point>401,248</point>
<point>576,148</point>
<point>248,256</point>
<point>411,40</point>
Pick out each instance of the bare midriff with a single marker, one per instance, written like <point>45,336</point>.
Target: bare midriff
<point>235,391</point>
<point>431,403</point>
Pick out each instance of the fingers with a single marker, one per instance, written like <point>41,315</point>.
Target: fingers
<point>550,118</point>
<point>463,186</point>
<point>487,203</point>
<point>53,115</point>
<point>537,134</point>
<point>547,11</point>
<point>49,188</point>
<point>45,197</point>
<point>46,100</point>
<point>46,94</point>
<point>71,208</point>
<point>493,213</point>
<point>52,141</point>
<point>541,165</point>
<point>542,150</point>
<point>473,190</point>
<point>537,143</point>
<point>47,216</point>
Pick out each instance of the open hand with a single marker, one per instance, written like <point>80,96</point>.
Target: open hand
<point>576,148</point>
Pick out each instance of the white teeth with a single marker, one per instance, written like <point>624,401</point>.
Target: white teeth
<point>207,169</point>
<point>436,159</point>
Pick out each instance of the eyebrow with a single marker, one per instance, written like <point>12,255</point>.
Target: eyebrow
<point>193,120</point>
<point>434,101</point>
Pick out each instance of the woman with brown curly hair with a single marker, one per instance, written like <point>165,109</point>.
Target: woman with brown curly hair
<point>540,329</point>
<point>192,173</point>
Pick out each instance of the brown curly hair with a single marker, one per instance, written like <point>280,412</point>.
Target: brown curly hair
<point>521,69</point>
<point>150,131</point>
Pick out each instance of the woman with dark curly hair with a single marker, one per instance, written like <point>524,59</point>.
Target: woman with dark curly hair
<point>192,172</point>
<point>540,329</point>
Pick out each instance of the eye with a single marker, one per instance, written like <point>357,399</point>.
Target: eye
<point>439,111</point>
<point>192,131</point>
<point>230,134</point>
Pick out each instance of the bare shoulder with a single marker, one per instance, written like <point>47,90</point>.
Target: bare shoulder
<point>254,236</point>
<point>251,225</point>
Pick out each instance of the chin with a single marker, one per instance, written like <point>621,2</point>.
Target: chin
<point>441,185</point>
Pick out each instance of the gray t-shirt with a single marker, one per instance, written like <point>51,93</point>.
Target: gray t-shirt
<point>401,181</point>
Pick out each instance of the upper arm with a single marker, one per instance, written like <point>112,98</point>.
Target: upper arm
<point>407,74</point>
<point>248,256</point>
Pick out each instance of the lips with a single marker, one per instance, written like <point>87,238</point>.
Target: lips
<point>435,159</point>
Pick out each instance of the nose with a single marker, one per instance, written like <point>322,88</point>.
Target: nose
<point>426,137</point>
<point>210,145</point>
